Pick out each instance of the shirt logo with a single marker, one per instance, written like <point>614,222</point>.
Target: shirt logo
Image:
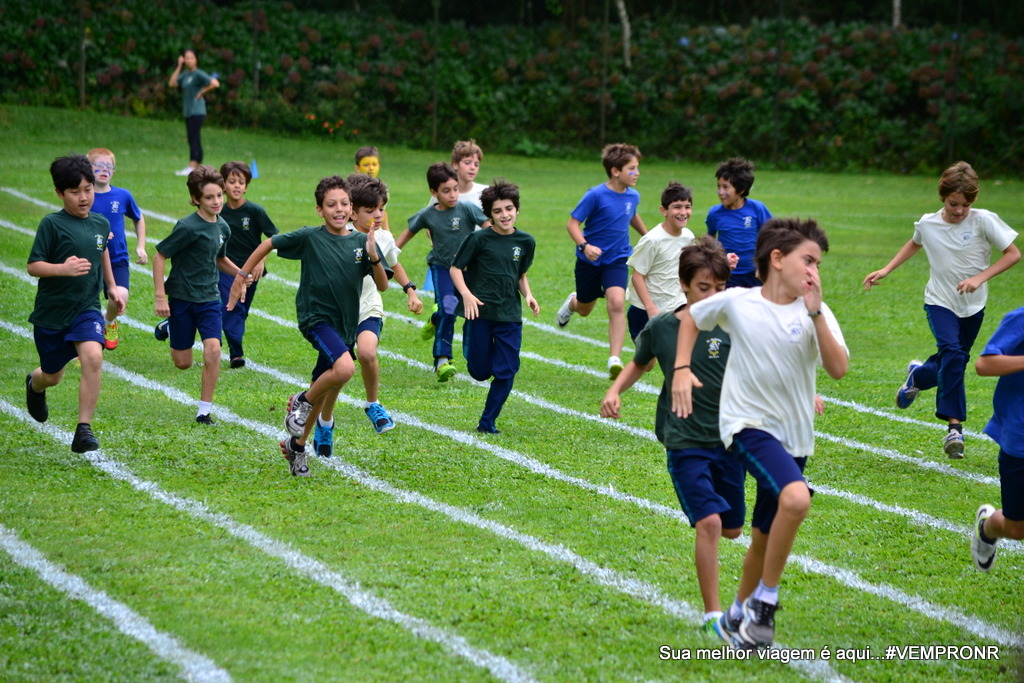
<point>516,253</point>
<point>99,329</point>
<point>359,254</point>
<point>456,222</point>
<point>966,237</point>
<point>629,208</point>
<point>714,347</point>
<point>115,206</point>
<point>796,331</point>
<point>245,223</point>
<point>100,243</point>
<point>748,221</point>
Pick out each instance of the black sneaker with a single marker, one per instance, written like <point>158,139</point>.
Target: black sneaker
<point>238,362</point>
<point>206,420</point>
<point>160,331</point>
<point>36,401</point>
<point>84,439</point>
<point>757,629</point>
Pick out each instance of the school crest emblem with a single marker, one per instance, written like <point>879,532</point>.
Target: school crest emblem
<point>359,254</point>
<point>100,243</point>
<point>516,253</point>
<point>115,206</point>
<point>714,347</point>
<point>245,223</point>
<point>456,222</point>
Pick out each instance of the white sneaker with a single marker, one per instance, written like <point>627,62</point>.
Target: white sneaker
<point>565,313</point>
<point>983,554</point>
<point>614,367</point>
<point>184,171</point>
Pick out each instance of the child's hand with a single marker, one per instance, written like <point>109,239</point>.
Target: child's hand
<point>534,306</point>
<point>819,404</point>
<point>76,266</point>
<point>237,293</point>
<point>415,305</point>
<point>611,405</point>
<point>812,291</point>
<point>592,253</point>
<point>181,61</point>
<point>683,384</point>
<point>471,307</point>
<point>114,296</point>
<point>734,260</point>
<point>371,244</point>
<point>256,274</point>
<point>161,307</point>
<point>141,257</point>
<point>872,279</point>
<point>969,285</point>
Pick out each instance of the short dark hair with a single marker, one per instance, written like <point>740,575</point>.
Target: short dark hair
<point>68,171</point>
<point>706,252</point>
<point>199,178</point>
<point>440,173</point>
<point>331,182</point>
<point>960,177</point>
<point>239,167</point>
<point>368,151</point>
<point>617,155</point>
<point>675,192</point>
<point>499,189</point>
<point>366,192</point>
<point>739,172</point>
<point>785,235</point>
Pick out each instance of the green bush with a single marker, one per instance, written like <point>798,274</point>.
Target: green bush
<point>853,96</point>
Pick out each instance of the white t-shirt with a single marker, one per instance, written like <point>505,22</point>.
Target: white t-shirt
<point>769,381</point>
<point>371,305</point>
<point>656,257</point>
<point>957,251</point>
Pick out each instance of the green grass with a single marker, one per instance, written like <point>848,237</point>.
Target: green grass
<point>261,617</point>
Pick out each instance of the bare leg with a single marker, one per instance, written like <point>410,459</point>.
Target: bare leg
<point>211,368</point>
<point>91,355</point>
<point>366,347</point>
<point>615,301</point>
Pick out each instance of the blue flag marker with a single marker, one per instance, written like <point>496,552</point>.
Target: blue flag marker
<point>255,171</point>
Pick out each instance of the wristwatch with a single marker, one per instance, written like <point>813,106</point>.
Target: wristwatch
<point>409,285</point>
<point>581,246</point>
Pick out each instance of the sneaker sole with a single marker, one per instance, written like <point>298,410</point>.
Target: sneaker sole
<point>427,333</point>
<point>290,458</point>
<point>908,391</point>
<point>984,512</point>
<point>954,450</point>
<point>445,375</point>
<point>386,428</point>
<point>614,372</point>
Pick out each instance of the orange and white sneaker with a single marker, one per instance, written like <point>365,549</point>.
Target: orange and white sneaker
<point>111,336</point>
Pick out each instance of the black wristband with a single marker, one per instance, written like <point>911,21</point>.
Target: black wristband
<point>815,314</point>
<point>581,246</point>
<point>373,263</point>
<point>409,285</point>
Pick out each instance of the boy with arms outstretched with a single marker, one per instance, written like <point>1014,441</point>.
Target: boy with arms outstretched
<point>708,480</point>
<point>69,256</point>
<point>780,332</point>
<point>958,242</point>
<point>599,226</point>
<point>334,262</point>
<point>115,203</point>
<point>1003,357</point>
<point>489,272</point>
<point>249,224</point>
<point>448,222</point>
<point>736,221</point>
<point>189,301</point>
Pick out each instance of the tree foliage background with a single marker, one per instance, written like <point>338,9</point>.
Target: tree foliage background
<point>550,77</point>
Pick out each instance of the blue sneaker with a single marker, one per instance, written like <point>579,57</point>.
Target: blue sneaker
<point>160,331</point>
<point>906,394</point>
<point>728,630</point>
<point>323,440</point>
<point>379,418</point>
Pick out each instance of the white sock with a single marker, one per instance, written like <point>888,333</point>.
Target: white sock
<point>736,609</point>
<point>714,614</point>
<point>766,594</point>
<point>204,408</point>
<point>322,423</point>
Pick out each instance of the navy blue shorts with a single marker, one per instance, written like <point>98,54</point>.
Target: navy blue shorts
<point>708,481</point>
<point>593,281</point>
<point>121,278</point>
<point>371,324</point>
<point>330,346</point>
<point>743,280</point>
<point>1011,486</point>
<point>772,467</point>
<point>189,317</point>
<point>637,319</point>
<point>57,347</point>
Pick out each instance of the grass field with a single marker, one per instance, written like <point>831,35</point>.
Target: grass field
<point>552,551</point>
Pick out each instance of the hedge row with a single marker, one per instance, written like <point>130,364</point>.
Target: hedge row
<point>834,97</point>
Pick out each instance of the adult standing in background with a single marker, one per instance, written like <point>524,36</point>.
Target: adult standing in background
<point>194,83</point>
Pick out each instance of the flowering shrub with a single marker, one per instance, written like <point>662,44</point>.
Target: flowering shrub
<point>849,96</point>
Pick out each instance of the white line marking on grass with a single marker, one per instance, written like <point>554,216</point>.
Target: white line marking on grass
<point>313,569</point>
<point>194,666</point>
<point>861,408</point>
<point>53,207</point>
<point>976,626</point>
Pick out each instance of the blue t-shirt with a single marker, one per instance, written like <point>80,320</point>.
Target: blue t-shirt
<point>1007,424</point>
<point>605,215</point>
<point>115,205</point>
<point>736,230</point>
